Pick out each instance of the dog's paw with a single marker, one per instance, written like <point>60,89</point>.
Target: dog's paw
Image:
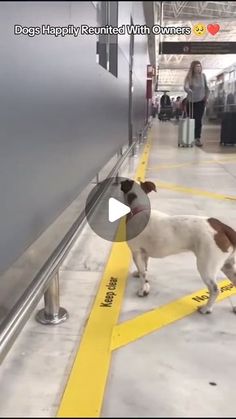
<point>204,310</point>
<point>135,274</point>
<point>144,291</point>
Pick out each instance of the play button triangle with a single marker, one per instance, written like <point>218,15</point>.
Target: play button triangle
<point>116,210</point>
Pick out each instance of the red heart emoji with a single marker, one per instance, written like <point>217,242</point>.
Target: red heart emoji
<point>213,28</point>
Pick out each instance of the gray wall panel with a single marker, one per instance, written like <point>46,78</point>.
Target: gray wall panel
<point>62,116</point>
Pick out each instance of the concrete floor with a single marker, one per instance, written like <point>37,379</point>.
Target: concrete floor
<point>169,372</point>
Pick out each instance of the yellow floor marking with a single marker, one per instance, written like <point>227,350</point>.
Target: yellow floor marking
<point>151,321</point>
<point>193,191</point>
<point>166,166</point>
<point>142,168</point>
<point>85,388</point>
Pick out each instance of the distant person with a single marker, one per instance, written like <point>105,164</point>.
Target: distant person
<point>177,108</point>
<point>165,100</point>
<point>230,102</point>
<point>196,86</point>
<point>172,106</point>
<point>230,99</point>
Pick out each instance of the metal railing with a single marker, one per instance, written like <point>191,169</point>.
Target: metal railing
<point>46,282</point>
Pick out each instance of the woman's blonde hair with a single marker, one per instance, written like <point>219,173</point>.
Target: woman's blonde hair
<point>190,73</point>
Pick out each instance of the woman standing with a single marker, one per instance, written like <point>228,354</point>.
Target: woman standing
<point>196,86</point>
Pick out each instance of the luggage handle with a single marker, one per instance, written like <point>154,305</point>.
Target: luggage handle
<point>191,107</point>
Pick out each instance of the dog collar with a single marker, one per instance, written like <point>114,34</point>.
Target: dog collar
<point>135,211</point>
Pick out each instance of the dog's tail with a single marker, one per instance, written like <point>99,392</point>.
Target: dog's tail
<point>224,234</point>
<point>231,234</point>
<point>225,238</point>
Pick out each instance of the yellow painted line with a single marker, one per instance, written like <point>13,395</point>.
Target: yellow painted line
<point>154,320</point>
<point>190,164</point>
<point>193,191</point>
<point>142,168</point>
<point>83,396</point>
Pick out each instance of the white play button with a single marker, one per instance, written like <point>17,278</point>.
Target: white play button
<point>107,218</point>
<point>116,210</point>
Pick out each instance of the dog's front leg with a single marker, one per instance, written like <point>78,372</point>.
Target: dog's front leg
<point>140,262</point>
<point>208,266</point>
<point>214,292</point>
<point>136,273</point>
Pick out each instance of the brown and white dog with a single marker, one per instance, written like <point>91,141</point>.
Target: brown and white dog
<point>212,242</point>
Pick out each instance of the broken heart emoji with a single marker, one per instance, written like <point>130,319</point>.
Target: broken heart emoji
<point>213,28</point>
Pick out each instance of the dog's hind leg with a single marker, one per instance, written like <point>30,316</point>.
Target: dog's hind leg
<point>208,269</point>
<point>229,269</point>
<point>139,258</point>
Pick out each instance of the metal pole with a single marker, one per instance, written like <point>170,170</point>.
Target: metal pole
<point>147,110</point>
<point>140,137</point>
<point>145,132</point>
<point>134,149</point>
<point>52,313</point>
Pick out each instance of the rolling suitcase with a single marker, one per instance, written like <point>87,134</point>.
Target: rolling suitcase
<point>165,113</point>
<point>186,130</point>
<point>228,129</point>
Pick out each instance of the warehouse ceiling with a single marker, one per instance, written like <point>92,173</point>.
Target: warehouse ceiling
<point>173,68</point>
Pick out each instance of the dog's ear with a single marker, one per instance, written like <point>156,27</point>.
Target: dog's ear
<point>148,186</point>
<point>126,185</point>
